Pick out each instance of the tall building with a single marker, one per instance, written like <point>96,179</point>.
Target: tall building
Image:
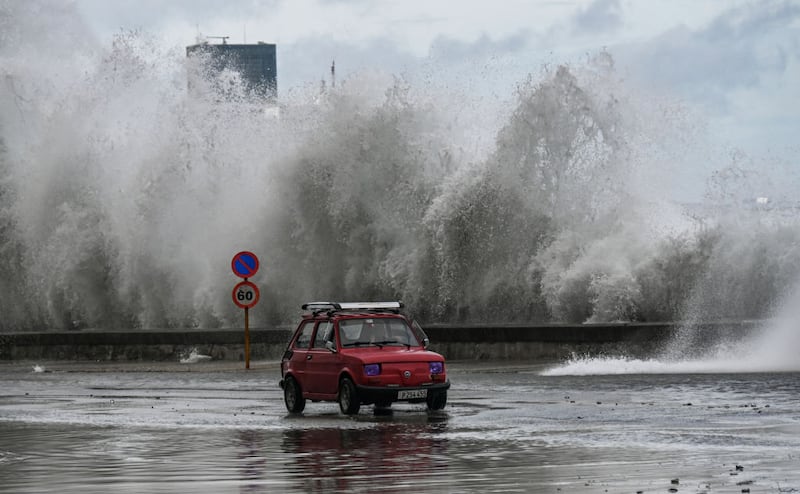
<point>255,64</point>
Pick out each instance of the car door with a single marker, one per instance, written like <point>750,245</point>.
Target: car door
<point>300,348</point>
<point>323,364</point>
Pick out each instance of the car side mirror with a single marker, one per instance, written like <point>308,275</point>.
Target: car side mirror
<point>330,346</point>
<point>426,342</point>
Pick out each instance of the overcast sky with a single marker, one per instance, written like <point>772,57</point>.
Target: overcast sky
<point>735,61</point>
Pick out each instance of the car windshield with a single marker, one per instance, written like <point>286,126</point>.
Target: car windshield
<point>378,331</point>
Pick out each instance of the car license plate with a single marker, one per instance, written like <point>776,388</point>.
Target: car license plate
<point>410,394</point>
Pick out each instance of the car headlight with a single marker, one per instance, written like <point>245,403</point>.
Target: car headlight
<point>372,369</point>
<point>436,367</point>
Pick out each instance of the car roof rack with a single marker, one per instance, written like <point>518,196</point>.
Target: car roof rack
<point>331,307</point>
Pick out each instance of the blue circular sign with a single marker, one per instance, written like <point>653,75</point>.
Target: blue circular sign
<point>244,264</point>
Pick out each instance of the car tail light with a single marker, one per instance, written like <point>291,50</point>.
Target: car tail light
<point>372,369</point>
<point>436,367</point>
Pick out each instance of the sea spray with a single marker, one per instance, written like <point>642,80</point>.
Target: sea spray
<point>123,195</point>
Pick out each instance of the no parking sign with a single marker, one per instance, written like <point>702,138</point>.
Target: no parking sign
<point>244,264</point>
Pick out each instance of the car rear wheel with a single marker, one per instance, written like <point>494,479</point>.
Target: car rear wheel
<point>349,402</point>
<point>437,401</point>
<point>293,396</point>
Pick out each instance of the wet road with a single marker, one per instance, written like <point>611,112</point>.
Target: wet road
<point>214,427</point>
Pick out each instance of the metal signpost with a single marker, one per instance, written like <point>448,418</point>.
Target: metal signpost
<point>245,294</point>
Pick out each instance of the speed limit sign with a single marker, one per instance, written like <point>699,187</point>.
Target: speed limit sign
<point>245,294</point>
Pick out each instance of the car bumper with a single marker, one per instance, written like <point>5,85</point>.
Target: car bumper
<point>376,394</point>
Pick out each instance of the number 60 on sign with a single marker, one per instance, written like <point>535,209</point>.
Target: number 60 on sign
<point>245,294</point>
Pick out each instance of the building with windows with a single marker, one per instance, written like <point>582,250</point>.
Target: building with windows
<point>255,67</point>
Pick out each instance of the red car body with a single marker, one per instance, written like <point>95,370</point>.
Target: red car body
<point>361,353</point>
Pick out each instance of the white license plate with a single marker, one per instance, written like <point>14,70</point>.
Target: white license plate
<point>410,394</point>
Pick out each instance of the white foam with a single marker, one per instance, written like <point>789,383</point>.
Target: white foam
<point>585,366</point>
<point>194,357</point>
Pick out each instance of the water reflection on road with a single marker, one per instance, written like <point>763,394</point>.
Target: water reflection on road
<point>506,429</point>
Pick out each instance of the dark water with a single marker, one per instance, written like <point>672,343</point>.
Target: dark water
<point>214,428</point>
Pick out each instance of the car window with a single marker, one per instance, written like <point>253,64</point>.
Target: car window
<point>324,333</point>
<point>376,331</point>
<point>399,332</point>
<point>304,338</point>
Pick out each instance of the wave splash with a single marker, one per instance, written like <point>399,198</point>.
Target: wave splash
<point>771,348</point>
<point>123,196</point>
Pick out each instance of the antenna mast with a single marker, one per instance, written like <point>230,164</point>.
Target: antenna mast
<point>333,74</point>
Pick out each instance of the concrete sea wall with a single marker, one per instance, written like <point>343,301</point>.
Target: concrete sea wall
<point>456,342</point>
<point>152,345</point>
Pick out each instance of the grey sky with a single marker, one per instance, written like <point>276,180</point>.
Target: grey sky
<point>736,61</point>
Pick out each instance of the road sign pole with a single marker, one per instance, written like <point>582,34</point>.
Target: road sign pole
<point>246,338</point>
<point>245,294</point>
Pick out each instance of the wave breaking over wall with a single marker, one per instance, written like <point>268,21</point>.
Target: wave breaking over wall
<point>123,196</point>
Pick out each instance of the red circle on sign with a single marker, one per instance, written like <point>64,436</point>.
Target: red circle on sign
<point>244,264</point>
<point>245,294</point>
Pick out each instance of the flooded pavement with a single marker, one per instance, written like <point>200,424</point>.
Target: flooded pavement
<point>213,427</point>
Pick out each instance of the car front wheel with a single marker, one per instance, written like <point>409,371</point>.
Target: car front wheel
<point>293,396</point>
<point>437,401</point>
<point>348,397</point>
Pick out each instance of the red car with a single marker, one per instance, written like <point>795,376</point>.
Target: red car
<point>361,353</point>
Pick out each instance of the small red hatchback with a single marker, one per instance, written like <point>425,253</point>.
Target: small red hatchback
<point>361,353</point>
